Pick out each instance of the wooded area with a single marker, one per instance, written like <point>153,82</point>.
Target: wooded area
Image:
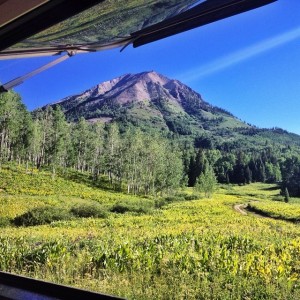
<point>141,162</point>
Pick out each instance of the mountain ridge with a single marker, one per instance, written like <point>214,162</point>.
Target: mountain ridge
<point>151,100</point>
<point>141,87</point>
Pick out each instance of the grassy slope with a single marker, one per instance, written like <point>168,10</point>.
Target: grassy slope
<point>219,127</point>
<point>199,249</point>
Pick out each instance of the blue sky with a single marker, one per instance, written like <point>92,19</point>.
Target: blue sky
<point>248,64</point>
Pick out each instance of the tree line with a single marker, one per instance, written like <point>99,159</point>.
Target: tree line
<point>144,164</point>
<point>274,164</point>
<point>141,163</point>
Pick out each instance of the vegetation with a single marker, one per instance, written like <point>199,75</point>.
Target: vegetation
<point>94,206</point>
<point>41,216</point>
<point>200,248</point>
<point>207,181</point>
<point>92,210</point>
<point>291,176</point>
<point>286,195</point>
<point>277,210</point>
<point>155,163</point>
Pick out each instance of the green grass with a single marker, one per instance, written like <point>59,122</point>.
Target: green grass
<point>253,191</point>
<point>187,249</point>
<point>17,185</point>
<point>277,210</point>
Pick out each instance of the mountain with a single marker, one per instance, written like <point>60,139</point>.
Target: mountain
<point>148,98</point>
<point>153,101</point>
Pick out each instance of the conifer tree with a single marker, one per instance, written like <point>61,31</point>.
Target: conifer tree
<point>286,195</point>
<point>248,175</point>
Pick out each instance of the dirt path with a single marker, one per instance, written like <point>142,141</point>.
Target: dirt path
<point>240,208</point>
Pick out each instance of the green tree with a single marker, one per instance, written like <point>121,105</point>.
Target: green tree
<point>286,195</point>
<point>197,165</point>
<point>134,160</point>
<point>207,181</point>
<point>224,166</point>
<point>291,176</point>
<point>248,175</point>
<point>154,164</point>
<point>97,149</point>
<point>44,118</point>
<point>21,146</point>
<point>12,121</point>
<point>36,143</point>
<point>82,144</point>
<point>173,170</point>
<point>59,137</point>
<point>112,153</point>
<point>273,173</point>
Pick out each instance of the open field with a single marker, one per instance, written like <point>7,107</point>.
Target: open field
<point>196,249</point>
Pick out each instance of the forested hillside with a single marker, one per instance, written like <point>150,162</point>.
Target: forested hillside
<point>138,160</point>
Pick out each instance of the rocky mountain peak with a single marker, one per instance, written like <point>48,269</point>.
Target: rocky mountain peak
<point>156,93</point>
<point>152,101</point>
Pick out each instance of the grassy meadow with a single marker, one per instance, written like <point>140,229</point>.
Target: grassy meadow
<point>70,231</point>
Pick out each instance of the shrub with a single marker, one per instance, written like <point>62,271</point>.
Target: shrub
<point>191,197</point>
<point>278,198</point>
<point>120,208</point>
<point>174,198</point>
<point>4,221</point>
<point>42,215</point>
<point>159,203</point>
<point>181,197</point>
<point>141,207</point>
<point>94,210</point>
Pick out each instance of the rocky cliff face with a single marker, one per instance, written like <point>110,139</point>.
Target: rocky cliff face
<point>146,89</point>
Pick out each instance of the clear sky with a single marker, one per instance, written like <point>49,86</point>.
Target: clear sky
<point>248,64</point>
